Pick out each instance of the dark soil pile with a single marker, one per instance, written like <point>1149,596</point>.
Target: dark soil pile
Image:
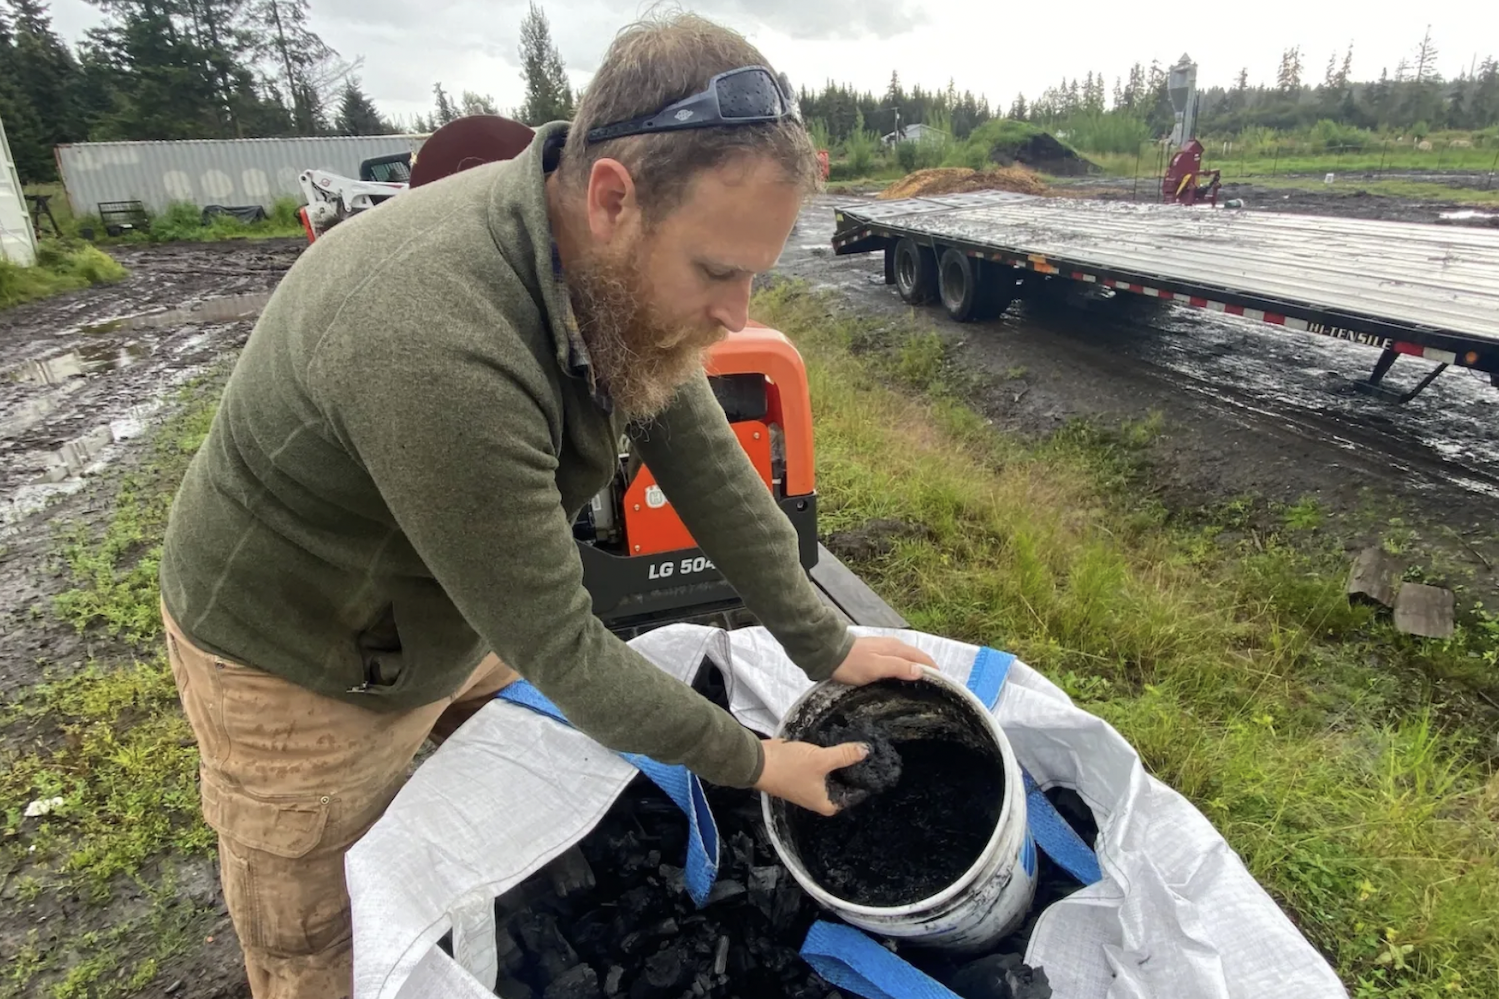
<point>612,917</point>
<point>911,841</point>
<point>1043,152</point>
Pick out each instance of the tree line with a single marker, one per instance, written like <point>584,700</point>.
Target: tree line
<point>213,69</point>
<point>180,69</point>
<point>1414,99</point>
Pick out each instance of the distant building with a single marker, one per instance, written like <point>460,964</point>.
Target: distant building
<point>914,133</point>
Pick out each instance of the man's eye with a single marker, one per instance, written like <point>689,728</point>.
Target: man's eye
<point>715,274</point>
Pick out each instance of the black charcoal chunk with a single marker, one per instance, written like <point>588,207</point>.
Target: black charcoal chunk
<point>674,878</point>
<point>723,891</point>
<point>578,983</point>
<point>570,873</point>
<point>877,772</point>
<point>665,972</point>
<point>1000,976</point>
<point>762,888</point>
<point>788,900</point>
<point>545,943</point>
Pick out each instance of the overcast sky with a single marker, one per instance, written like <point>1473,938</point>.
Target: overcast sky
<point>991,48</point>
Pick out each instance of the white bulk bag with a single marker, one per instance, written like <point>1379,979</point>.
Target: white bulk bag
<point>1175,915</point>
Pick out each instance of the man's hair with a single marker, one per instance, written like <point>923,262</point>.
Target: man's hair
<point>652,63</point>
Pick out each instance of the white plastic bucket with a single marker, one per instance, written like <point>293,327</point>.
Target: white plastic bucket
<point>990,899</point>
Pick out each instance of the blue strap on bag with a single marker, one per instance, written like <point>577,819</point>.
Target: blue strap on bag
<point>850,960</point>
<point>1052,833</point>
<point>679,783</point>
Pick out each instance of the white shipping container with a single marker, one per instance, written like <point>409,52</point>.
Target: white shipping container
<point>231,172</point>
<point>17,241</point>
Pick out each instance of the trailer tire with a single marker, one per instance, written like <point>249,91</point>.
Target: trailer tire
<point>889,263</point>
<point>972,291</point>
<point>915,272</point>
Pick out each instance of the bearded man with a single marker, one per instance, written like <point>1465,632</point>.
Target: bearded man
<point>377,534</point>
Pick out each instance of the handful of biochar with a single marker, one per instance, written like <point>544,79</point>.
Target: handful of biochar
<point>877,772</point>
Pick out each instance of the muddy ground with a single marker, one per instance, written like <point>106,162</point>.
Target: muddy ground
<point>1245,409</point>
<point>1345,198</point>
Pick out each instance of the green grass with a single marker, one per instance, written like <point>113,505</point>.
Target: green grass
<point>1261,167</point>
<point>109,739</point>
<point>876,180</point>
<point>1418,190</point>
<point>60,266</point>
<point>1304,728</point>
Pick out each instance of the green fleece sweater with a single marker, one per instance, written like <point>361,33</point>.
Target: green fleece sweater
<point>388,488</point>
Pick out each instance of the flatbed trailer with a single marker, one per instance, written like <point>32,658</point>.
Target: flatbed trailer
<point>1404,288</point>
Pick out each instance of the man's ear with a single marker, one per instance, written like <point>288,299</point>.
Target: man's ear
<point>611,199</point>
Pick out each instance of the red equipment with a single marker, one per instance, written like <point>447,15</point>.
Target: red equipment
<point>1184,180</point>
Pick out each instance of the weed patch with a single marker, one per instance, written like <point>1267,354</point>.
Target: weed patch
<point>60,266</point>
<point>1221,645</point>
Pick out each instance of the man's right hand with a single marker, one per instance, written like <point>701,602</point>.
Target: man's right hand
<point>798,771</point>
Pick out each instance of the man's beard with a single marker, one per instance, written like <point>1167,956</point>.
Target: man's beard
<point>640,358</point>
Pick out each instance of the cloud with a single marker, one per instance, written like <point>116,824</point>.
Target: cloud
<point>820,19</point>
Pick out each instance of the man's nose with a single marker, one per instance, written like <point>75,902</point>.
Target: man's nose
<point>731,310</point>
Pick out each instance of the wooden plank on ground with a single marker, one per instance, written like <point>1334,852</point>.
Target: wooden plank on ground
<point>1425,611</point>
<point>1375,578</point>
<point>851,595</point>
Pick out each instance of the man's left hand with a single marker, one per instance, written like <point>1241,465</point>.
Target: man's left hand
<point>881,658</point>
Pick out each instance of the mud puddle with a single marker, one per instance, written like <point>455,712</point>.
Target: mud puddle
<point>213,310</point>
<point>62,417</point>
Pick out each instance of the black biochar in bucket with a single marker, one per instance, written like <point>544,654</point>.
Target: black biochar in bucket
<point>912,840</point>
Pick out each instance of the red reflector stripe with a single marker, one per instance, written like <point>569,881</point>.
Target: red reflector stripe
<point>1407,348</point>
<point>1200,303</point>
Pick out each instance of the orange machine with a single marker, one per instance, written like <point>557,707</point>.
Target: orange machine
<point>640,561</point>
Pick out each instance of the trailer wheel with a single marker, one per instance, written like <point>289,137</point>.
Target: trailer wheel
<point>915,272</point>
<point>971,290</point>
<point>889,263</point>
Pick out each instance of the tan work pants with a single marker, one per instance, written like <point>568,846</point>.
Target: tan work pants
<point>290,780</point>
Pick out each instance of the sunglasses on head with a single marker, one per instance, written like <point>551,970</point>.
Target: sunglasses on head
<point>743,96</point>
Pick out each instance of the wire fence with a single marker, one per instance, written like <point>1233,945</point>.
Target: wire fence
<point>1441,161</point>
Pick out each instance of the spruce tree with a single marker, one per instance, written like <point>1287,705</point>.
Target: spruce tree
<point>549,96</point>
